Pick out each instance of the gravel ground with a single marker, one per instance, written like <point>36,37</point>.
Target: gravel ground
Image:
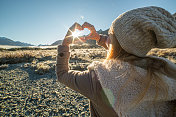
<point>25,93</point>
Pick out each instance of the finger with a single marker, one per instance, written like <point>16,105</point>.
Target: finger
<point>89,26</point>
<point>89,37</point>
<point>78,26</point>
<point>67,41</point>
<point>91,29</point>
<point>82,38</point>
<point>76,40</point>
<point>86,25</point>
<point>75,26</point>
<point>72,28</point>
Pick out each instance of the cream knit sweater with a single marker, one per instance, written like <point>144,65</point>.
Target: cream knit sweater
<point>122,83</point>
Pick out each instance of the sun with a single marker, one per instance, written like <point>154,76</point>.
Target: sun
<point>76,33</point>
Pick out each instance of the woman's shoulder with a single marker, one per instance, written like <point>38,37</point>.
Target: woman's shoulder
<point>112,65</point>
<point>114,69</point>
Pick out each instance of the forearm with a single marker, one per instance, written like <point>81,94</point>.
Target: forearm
<point>76,80</point>
<point>62,60</point>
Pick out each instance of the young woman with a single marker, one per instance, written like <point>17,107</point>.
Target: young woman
<point>129,83</point>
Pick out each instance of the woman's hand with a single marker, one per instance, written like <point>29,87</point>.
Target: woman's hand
<point>68,38</point>
<point>93,33</point>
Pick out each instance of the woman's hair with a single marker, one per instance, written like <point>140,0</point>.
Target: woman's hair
<point>153,67</point>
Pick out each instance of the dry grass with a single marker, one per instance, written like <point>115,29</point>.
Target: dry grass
<point>42,61</point>
<point>166,53</point>
<point>79,59</point>
<point>12,57</point>
<point>41,67</point>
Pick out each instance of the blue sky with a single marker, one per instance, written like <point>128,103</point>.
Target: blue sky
<point>46,21</point>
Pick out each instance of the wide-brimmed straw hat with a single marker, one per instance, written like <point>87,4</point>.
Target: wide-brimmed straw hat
<point>140,30</point>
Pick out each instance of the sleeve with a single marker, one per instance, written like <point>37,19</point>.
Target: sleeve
<point>76,80</point>
<point>104,41</point>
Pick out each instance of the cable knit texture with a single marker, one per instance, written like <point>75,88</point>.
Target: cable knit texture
<point>122,83</point>
<point>146,28</point>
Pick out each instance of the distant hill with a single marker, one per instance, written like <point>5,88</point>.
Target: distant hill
<point>57,42</point>
<point>43,45</point>
<point>6,41</point>
<point>105,32</point>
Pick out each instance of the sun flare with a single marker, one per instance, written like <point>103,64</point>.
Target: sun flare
<point>76,33</point>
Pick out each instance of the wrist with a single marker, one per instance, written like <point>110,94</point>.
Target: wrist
<point>65,44</point>
<point>67,41</point>
<point>102,38</point>
<point>63,48</point>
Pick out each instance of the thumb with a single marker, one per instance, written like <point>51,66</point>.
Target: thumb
<point>83,39</point>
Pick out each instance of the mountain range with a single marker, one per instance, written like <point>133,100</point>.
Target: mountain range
<point>7,41</point>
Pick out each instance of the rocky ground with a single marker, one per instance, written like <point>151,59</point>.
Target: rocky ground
<point>28,85</point>
<point>25,93</point>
